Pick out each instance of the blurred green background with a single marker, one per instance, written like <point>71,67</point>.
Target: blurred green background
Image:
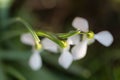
<point>100,63</point>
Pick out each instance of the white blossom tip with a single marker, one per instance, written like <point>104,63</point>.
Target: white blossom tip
<point>65,60</point>
<point>105,38</point>
<point>80,24</point>
<point>27,39</point>
<point>35,61</point>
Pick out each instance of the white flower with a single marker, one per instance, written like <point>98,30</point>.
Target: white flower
<point>35,61</point>
<point>79,50</point>
<point>65,59</point>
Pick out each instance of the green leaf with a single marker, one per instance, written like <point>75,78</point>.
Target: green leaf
<point>116,73</point>
<point>10,34</point>
<point>15,55</point>
<point>13,72</point>
<point>2,73</point>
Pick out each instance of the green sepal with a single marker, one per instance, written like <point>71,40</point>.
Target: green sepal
<point>90,34</point>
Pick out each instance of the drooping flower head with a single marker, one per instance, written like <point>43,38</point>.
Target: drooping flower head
<point>35,61</point>
<point>80,49</point>
<point>65,59</point>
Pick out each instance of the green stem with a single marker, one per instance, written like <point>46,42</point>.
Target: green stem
<point>51,37</point>
<point>67,35</point>
<point>29,27</point>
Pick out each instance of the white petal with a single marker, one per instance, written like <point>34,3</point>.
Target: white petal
<point>80,24</point>
<point>35,61</point>
<point>65,59</point>
<point>49,45</point>
<point>79,50</point>
<point>75,39</point>
<point>27,39</point>
<point>104,37</point>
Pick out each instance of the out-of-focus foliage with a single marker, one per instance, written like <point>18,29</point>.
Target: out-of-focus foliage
<point>101,63</point>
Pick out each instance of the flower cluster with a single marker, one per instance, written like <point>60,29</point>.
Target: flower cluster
<point>79,39</point>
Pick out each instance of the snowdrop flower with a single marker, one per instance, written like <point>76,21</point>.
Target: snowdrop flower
<point>80,49</point>
<point>35,61</point>
<point>65,59</point>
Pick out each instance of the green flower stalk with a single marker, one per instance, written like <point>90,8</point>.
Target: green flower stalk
<point>52,37</point>
<point>69,34</point>
<point>29,27</point>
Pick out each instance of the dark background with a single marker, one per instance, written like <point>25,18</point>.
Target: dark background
<point>56,16</point>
